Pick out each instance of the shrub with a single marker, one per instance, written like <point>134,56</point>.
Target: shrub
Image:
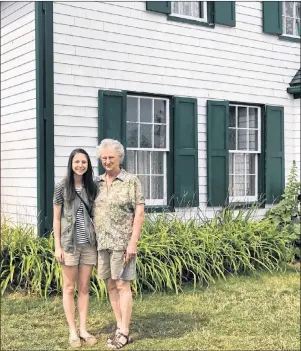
<point>288,207</point>
<point>287,212</point>
<point>172,252</point>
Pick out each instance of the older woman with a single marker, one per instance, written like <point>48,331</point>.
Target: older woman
<point>119,214</point>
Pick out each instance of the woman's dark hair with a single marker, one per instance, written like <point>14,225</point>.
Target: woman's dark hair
<point>88,182</point>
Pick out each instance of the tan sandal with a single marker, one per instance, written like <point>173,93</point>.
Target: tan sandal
<point>75,342</point>
<point>89,340</point>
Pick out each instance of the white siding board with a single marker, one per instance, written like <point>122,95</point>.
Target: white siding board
<point>20,154</point>
<point>28,86</point>
<point>17,14</point>
<point>14,191</point>
<point>19,70</point>
<point>19,32</point>
<point>18,113</point>
<point>18,116</point>
<point>122,46</point>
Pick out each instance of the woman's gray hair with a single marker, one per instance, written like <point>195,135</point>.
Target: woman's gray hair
<point>105,143</point>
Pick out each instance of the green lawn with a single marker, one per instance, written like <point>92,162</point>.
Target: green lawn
<point>242,313</point>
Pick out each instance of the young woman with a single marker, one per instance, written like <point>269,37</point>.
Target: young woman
<point>75,243</point>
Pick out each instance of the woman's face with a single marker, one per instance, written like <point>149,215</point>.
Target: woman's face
<point>80,164</point>
<point>110,159</point>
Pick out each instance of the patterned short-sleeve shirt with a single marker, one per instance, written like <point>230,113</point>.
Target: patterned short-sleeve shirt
<point>114,210</point>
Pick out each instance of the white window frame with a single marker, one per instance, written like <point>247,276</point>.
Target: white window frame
<point>284,16</point>
<point>246,198</point>
<point>204,19</point>
<point>153,202</point>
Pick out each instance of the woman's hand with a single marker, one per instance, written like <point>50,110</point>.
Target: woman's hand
<point>131,251</point>
<point>59,254</point>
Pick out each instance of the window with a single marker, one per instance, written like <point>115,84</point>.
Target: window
<point>244,148</point>
<point>160,137</point>
<point>147,145</point>
<point>187,9</point>
<point>291,18</point>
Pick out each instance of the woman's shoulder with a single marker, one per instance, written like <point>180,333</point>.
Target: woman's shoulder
<point>60,185</point>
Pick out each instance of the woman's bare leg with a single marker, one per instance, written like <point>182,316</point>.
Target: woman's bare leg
<point>69,279</point>
<point>126,303</point>
<point>114,299</point>
<point>84,275</point>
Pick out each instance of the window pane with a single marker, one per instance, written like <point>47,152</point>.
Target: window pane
<point>253,117</point>
<point>157,187</point>
<point>186,8</point>
<point>232,116</point>
<point>145,183</point>
<point>250,163</point>
<point>195,8</point>
<point>160,136</point>
<point>289,26</point>
<point>289,8</point>
<point>297,32</point>
<point>132,135</point>
<point>242,117</point>
<point>253,140</point>
<point>242,140</point>
<point>232,139</point>
<point>143,162</point>
<point>160,111</point>
<point>231,185</point>
<point>251,185</point>
<point>239,164</point>
<point>131,162</point>
<point>146,135</point>
<point>231,163</point>
<point>298,9</point>
<point>239,186</point>
<point>132,109</point>
<point>146,110</point>
<point>157,163</point>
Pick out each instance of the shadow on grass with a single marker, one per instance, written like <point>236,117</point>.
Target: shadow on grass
<point>160,325</point>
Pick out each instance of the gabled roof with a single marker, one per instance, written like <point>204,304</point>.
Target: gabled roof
<point>295,85</point>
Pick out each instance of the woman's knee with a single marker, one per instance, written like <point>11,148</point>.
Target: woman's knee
<point>68,290</point>
<point>111,285</point>
<point>83,289</point>
<point>123,286</point>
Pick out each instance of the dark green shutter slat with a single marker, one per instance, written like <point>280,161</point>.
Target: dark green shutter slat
<point>225,13</point>
<point>159,6</point>
<point>217,152</point>
<point>111,116</point>
<point>186,189</point>
<point>272,17</point>
<point>274,153</point>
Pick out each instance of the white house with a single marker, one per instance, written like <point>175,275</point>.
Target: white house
<point>204,95</point>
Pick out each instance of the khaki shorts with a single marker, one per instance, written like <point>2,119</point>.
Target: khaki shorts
<point>110,264</point>
<point>84,254</point>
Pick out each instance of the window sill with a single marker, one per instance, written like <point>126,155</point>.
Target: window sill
<point>158,209</point>
<point>190,21</point>
<point>288,38</point>
<point>240,205</point>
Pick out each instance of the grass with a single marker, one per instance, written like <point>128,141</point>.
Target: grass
<point>241,313</point>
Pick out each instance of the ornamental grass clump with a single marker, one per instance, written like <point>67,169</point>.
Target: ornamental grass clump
<point>171,253</point>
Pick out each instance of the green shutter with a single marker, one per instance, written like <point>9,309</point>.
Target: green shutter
<point>217,152</point>
<point>186,191</point>
<point>159,6</point>
<point>274,153</point>
<point>272,17</point>
<point>225,13</point>
<point>111,116</point>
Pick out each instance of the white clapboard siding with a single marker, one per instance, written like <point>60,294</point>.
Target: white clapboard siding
<point>18,112</point>
<point>121,46</point>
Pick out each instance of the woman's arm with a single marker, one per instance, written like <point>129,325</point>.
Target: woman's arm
<point>59,253</point>
<point>137,224</point>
